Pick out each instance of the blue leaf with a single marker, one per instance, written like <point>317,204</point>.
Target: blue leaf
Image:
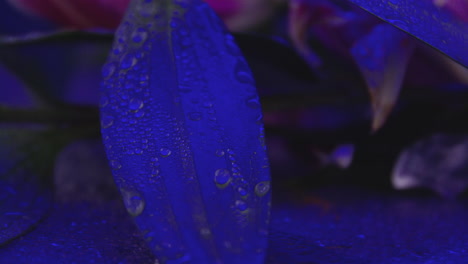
<point>25,196</point>
<point>182,126</point>
<point>425,20</point>
<point>22,207</point>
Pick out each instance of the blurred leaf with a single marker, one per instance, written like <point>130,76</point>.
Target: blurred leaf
<point>382,56</point>
<point>48,63</point>
<point>426,21</point>
<point>27,157</point>
<point>33,148</point>
<point>30,139</point>
<point>436,162</point>
<point>182,125</point>
<point>13,21</point>
<point>25,197</point>
<point>277,68</point>
<point>22,206</point>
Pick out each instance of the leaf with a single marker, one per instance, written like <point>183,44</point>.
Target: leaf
<point>22,207</point>
<point>24,198</point>
<point>53,66</point>
<point>27,157</point>
<point>181,123</point>
<point>426,21</point>
<point>436,162</point>
<point>382,56</point>
<point>89,232</point>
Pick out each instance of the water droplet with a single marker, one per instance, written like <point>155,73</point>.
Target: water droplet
<point>165,152</point>
<point>128,61</point>
<point>222,177</point>
<point>242,72</point>
<point>139,114</point>
<point>262,188</point>
<point>155,172</point>
<point>139,36</point>
<point>242,191</point>
<point>115,164</point>
<point>118,49</point>
<point>231,45</point>
<point>138,151</point>
<point>259,119</point>
<point>103,101</point>
<point>107,121</point>
<point>253,102</point>
<point>195,116</point>
<point>108,70</point>
<point>135,104</point>
<point>241,205</point>
<point>219,153</point>
<point>133,201</point>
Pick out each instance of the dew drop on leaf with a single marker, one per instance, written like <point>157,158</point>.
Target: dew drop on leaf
<point>139,36</point>
<point>219,153</point>
<point>108,70</point>
<point>242,191</point>
<point>135,104</point>
<point>241,205</point>
<point>107,121</point>
<point>133,201</point>
<point>115,164</point>
<point>139,114</point>
<point>128,61</point>
<point>195,116</point>
<point>165,152</point>
<point>253,102</point>
<point>222,177</point>
<point>103,101</point>
<point>262,188</point>
<point>242,73</point>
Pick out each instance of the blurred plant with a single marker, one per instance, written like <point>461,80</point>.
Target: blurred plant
<point>239,15</point>
<point>77,14</point>
<point>458,7</point>
<point>380,51</point>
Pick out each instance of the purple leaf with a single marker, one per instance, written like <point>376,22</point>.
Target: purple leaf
<point>24,199</point>
<point>433,24</point>
<point>22,206</point>
<point>382,57</point>
<point>183,131</point>
<point>437,162</point>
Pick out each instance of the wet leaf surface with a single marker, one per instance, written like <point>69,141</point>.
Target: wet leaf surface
<point>426,21</point>
<point>182,125</point>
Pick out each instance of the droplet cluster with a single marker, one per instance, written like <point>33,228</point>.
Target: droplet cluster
<point>176,88</point>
